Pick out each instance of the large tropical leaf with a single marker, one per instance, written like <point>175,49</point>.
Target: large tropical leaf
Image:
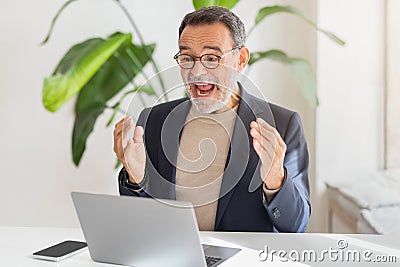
<point>301,69</point>
<point>111,78</point>
<point>77,67</point>
<point>116,73</point>
<point>84,124</point>
<point>270,10</point>
<point>224,3</point>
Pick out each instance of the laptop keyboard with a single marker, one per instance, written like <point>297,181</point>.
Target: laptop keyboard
<point>212,260</point>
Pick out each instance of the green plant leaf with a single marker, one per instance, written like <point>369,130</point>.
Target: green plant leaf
<point>78,66</point>
<point>117,72</point>
<point>142,89</point>
<point>83,126</point>
<point>302,71</point>
<point>53,22</point>
<point>111,78</point>
<point>118,163</point>
<point>111,119</point>
<point>270,10</point>
<point>224,3</point>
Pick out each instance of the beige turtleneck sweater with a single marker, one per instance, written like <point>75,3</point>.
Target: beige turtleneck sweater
<point>203,151</point>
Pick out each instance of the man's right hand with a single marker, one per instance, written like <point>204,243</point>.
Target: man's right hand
<point>130,151</point>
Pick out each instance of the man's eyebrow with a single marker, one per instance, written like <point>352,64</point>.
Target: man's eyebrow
<point>213,48</point>
<point>184,47</point>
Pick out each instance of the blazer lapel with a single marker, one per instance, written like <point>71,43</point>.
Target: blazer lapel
<point>262,111</point>
<point>168,151</point>
<point>242,150</point>
<point>239,153</point>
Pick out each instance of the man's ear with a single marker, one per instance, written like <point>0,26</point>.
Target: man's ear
<point>244,57</point>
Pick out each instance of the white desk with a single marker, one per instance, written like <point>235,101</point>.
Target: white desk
<point>17,244</point>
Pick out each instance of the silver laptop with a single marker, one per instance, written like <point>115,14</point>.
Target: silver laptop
<point>144,232</point>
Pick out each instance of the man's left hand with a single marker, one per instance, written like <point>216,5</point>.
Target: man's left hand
<point>271,149</point>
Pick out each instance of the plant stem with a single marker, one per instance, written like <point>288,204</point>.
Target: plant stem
<point>141,40</point>
<point>117,109</point>
<point>132,91</point>
<point>140,96</point>
<point>116,106</point>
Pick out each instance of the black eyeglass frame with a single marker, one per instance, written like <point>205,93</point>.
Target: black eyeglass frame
<point>203,62</point>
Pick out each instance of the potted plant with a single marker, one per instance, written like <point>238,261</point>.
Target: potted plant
<point>97,69</point>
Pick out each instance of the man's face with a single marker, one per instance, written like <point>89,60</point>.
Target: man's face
<point>209,89</point>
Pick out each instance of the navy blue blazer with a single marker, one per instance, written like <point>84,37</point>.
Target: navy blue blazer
<point>242,205</point>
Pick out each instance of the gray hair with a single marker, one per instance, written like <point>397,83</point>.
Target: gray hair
<point>216,14</point>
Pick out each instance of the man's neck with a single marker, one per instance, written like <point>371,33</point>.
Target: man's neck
<point>233,101</point>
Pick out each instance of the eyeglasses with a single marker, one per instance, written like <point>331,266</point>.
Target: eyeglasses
<point>209,61</point>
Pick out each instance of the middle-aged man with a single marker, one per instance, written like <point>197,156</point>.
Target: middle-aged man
<point>217,148</point>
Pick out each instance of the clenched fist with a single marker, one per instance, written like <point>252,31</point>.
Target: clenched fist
<point>130,151</point>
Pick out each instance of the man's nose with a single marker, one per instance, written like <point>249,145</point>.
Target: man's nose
<point>198,69</point>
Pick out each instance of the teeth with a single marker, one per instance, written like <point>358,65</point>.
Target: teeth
<point>202,94</point>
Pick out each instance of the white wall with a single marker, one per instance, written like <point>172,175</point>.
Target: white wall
<point>37,173</point>
<point>393,85</point>
<point>349,137</point>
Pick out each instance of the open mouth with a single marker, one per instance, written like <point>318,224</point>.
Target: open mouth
<point>202,89</point>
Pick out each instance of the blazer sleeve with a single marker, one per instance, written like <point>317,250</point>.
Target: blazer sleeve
<point>290,208</point>
<point>125,191</point>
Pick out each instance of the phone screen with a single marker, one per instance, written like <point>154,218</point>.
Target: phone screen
<point>61,249</point>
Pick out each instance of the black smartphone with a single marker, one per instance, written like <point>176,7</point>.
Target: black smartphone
<point>60,251</point>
